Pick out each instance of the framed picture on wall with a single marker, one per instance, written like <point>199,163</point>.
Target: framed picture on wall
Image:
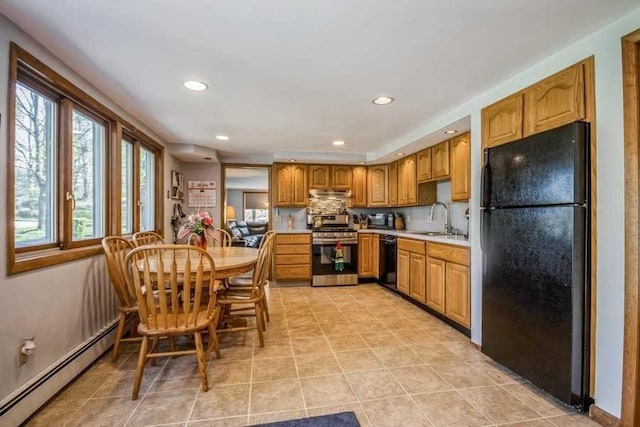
<point>177,185</point>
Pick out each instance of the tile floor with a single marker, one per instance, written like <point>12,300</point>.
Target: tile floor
<point>360,349</point>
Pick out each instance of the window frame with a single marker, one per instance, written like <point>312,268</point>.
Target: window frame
<point>32,73</point>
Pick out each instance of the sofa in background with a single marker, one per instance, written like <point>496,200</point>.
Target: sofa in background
<point>250,232</point>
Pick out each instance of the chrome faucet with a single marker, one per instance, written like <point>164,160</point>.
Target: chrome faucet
<point>446,215</point>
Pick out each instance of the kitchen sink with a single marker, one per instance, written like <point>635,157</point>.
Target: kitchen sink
<point>428,233</point>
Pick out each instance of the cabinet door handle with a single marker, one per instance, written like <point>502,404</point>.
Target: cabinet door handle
<point>69,196</point>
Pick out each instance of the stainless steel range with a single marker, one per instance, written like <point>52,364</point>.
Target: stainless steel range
<point>334,251</point>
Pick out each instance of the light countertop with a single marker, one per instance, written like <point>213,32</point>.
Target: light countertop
<point>451,240</point>
<point>294,231</point>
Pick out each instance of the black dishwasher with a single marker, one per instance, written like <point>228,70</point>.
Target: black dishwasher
<point>388,255</point>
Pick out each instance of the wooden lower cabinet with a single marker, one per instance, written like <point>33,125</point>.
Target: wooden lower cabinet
<point>368,255</point>
<point>457,290</point>
<point>403,268</point>
<point>436,277</point>
<point>449,281</point>
<point>293,257</point>
<point>417,280</point>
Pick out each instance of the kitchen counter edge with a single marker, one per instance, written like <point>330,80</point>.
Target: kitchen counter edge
<point>294,231</point>
<point>402,233</point>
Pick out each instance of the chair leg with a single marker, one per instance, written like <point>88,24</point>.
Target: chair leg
<point>119,332</point>
<point>202,361</point>
<point>213,344</point>
<point>172,344</point>
<point>154,348</point>
<point>142,359</point>
<point>264,316</point>
<point>259,324</point>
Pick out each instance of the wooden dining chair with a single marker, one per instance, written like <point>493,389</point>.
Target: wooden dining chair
<point>116,249</point>
<point>169,282</point>
<point>247,301</point>
<point>245,281</point>
<point>142,238</point>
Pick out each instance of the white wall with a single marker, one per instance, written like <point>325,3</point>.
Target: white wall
<point>62,306</point>
<point>204,172</point>
<point>605,46</point>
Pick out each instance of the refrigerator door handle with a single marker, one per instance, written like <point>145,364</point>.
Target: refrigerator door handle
<point>485,181</point>
<point>483,212</point>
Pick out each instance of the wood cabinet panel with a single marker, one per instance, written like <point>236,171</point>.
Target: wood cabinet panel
<point>557,100</point>
<point>461,168</point>
<point>377,192</point>
<point>359,186</point>
<point>407,182</point>
<point>393,184</point>
<point>402,183</point>
<point>440,160</point>
<point>403,268</point>
<point>299,183</point>
<point>502,121</point>
<point>417,279</point>
<point>457,254</point>
<point>293,272</point>
<point>365,260</point>
<point>411,245</point>
<point>435,289</point>
<point>341,177</point>
<point>292,259</point>
<point>423,167</point>
<point>458,304</point>
<point>292,249</point>
<point>290,185</point>
<point>375,255</point>
<point>293,239</point>
<point>319,177</point>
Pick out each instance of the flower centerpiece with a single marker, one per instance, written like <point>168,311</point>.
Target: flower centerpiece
<point>200,224</point>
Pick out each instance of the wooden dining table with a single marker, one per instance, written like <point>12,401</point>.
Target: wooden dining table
<point>229,261</point>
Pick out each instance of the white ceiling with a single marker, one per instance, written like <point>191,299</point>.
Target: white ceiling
<point>288,76</point>
<point>246,178</point>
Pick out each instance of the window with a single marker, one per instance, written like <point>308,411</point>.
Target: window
<point>34,168</point>
<point>78,172</point>
<point>256,206</point>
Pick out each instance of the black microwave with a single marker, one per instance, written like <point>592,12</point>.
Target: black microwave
<point>381,220</point>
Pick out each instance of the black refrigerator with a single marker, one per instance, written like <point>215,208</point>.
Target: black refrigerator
<point>535,243</point>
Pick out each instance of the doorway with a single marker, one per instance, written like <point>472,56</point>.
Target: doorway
<point>246,193</point>
<point>631,94</point>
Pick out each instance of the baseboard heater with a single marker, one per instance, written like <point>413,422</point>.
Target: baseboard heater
<point>33,394</point>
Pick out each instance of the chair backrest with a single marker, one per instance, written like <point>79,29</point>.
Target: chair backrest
<point>169,283</point>
<point>264,238</point>
<point>142,238</point>
<point>263,264</point>
<point>116,249</point>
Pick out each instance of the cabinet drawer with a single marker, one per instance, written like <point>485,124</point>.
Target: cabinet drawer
<point>293,249</point>
<point>293,272</point>
<point>293,239</point>
<point>450,253</point>
<point>292,259</point>
<point>415,246</point>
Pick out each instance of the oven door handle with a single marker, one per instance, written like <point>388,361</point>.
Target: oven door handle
<point>334,242</point>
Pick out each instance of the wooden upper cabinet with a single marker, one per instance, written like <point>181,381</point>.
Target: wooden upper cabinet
<point>341,177</point>
<point>423,165</point>
<point>300,189</point>
<point>283,190</point>
<point>402,183</point>
<point>393,184</point>
<point>377,191</point>
<point>502,121</point>
<point>319,177</point>
<point>411,183</point>
<point>556,100</point>
<point>461,167</point>
<point>440,160</point>
<point>359,186</point>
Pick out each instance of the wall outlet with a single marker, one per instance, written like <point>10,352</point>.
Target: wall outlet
<point>408,218</point>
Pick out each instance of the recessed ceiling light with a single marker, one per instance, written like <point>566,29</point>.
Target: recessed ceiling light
<point>362,163</point>
<point>222,137</point>
<point>195,85</point>
<point>450,131</point>
<point>292,160</point>
<point>382,100</point>
<point>338,142</point>
<point>208,158</point>
<point>399,154</point>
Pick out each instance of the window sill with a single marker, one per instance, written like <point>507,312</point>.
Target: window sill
<point>24,262</point>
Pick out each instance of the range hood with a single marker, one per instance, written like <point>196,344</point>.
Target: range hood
<point>329,194</point>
